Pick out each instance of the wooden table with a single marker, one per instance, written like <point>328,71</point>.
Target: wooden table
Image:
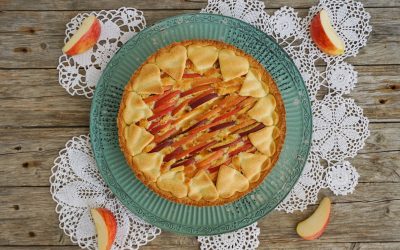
<point>37,117</point>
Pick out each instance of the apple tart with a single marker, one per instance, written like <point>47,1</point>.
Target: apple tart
<point>201,123</point>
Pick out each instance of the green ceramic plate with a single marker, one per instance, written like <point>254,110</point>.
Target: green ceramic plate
<point>189,219</point>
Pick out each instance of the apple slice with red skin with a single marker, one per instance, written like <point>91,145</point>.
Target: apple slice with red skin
<point>324,35</point>
<point>215,169</point>
<point>166,135</point>
<point>195,90</point>
<point>106,227</point>
<point>154,98</point>
<point>252,130</point>
<point>230,144</point>
<point>221,126</point>
<point>160,113</point>
<point>314,226</point>
<point>228,105</point>
<point>227,114</point>
<point>242,124</point>
<point>85,38</point>
<point>180,107</point>
<point>203,98</point>
<point>204,127</point>
<point>172,155</point>
<point>203,147</point>
<point>156,129</point>
<point>247,145</point>
<point>182,154</point>
<point>161,145</point>
<point>184,162</point>
<point>202,122</point>
<point>183,140</point>
<point>206,163</point>
<point>167,99</point>
<point>153,125</point>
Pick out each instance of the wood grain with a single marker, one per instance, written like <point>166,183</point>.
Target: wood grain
<point>37,117</point>
<point>156,4</point>
<point>371,204</point>
<point>35,41</point>
<point>33,98</point>
<point>304,245</point>
<point>27,154</point>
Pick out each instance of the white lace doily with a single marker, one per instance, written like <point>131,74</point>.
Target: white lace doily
<point>79,74</point>
<point>339,126</point>
<point>77,186</point>
<point>245,238</point>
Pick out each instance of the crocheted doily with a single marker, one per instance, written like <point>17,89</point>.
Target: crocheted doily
<point>79,74</point>
<point>76,186</point>
<point>339,126</point>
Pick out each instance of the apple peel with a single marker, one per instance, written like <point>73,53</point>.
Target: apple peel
<point>325,36</point>
<point>84,38</point>
<point>106,227</point>
<point>314,226</point>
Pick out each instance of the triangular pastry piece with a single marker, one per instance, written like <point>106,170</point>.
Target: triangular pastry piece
<point>135,109</point>
<point>149,164</point>
<point>137,138</point>
<point>253,85</point>
<point>230,181</point>
<point>263,140</point>
<point>263,110</point>
<point>173,62</point>
<point>173,181</point>
<point>267,165</point>
<point>251,165</point>
<point>202,187</point>
<point>232,66</point>
<point>202,57</point>
<point>148,81</point>
<point>275,117</point>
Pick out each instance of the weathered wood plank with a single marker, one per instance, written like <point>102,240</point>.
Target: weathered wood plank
<point>30,211</point>
<point>33,97</point>
<point>354,222</point>
<point>27,140</point>
<point>45,111</point>
<point>378,245</point>
<point>26,155</point>
<point>303,245</point>
<point>155,4</point>
<point>33,168</point>
<point>381,134</point>
<point>36,140</point>
<point>53,22</point>
<point>43,51</point>
<point>35,41</point>
<point>377,92</point>
<point>315,245</point>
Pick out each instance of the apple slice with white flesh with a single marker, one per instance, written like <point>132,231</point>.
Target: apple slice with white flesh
<point>314,226</point>
<point>106,227</point>
<point>325,36</point>
<point>86,36</point>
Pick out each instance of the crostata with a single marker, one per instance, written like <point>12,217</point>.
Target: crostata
<point>201,123</point>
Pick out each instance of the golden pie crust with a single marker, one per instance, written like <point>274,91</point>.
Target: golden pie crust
<point>174,137</point>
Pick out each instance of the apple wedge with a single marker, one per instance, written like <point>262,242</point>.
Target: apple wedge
<point>314,226</point>
<point>324,35</point>
<point>84,38</point>
<point>106,227</point>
